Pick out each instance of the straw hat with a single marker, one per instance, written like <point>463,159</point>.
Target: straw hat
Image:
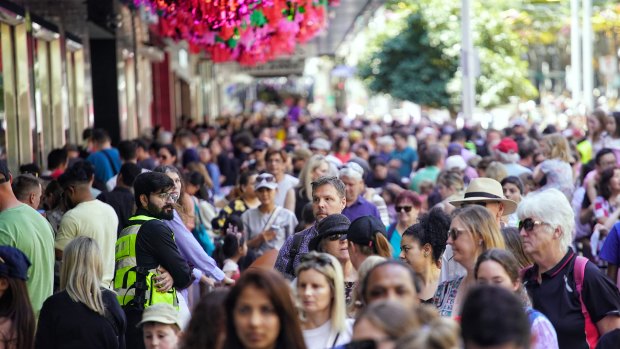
<point>486,189</point>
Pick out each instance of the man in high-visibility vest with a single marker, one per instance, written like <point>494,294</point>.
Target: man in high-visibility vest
<point>153,248</point>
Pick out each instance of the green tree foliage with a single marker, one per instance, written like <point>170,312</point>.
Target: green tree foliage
<point>409,67</point>
<point>420,63</point>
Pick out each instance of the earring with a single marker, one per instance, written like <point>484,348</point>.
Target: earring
<point>425,254</point>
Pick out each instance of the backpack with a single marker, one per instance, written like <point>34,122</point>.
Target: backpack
<point>591,330</point>
<point>292,253</point>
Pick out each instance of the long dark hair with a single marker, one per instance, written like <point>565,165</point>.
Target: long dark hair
<point>15,305</point>
<point>279,294</point>
<point>206,328</point>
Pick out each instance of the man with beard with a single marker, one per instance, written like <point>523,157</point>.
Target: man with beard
<point>155,253</point>
<point>87,217</point>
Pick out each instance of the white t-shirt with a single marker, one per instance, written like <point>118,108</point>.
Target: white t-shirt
<point>254,222</point>
<point>230,266</point>
<point>287,183</point>
<point>96,220</point>
<point>323,337</point>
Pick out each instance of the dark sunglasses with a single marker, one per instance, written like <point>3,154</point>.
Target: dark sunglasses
<point>528,224</point>
<point>162,156</point>
<point>455,233</point>
<point>336,237</point>
<point>404,208</point>
<point>263,178</point>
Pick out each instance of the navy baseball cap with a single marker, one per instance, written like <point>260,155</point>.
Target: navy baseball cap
<point>259,144</point>
<point>13,263</point>
<point>362,230</point>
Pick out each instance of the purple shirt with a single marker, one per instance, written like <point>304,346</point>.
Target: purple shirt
<point>283,256</point>
<point>611,247</point>
<point>191,250</point>
<point>361,207</point>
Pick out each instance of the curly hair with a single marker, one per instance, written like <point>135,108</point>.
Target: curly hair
<point>432,228</point>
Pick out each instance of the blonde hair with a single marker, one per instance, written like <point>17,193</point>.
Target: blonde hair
<point>356,295</point>
<point>451,179</point>
<point>558,147</point>
<point>479,222</point>
<point>81,272</point>
<point>305,176</point>
<point>496,170</point>
<point>334,275</point>
<point>600,115</point>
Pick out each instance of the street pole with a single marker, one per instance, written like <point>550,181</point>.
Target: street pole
<point>467,61</point>
<point>588,71</point>
<point>575,53</point>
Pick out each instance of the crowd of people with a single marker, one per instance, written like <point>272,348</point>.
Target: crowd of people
<point>261,232</point>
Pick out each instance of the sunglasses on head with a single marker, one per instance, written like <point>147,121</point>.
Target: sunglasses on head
<point>319,258</point>
<point>404,208</point>
<point>528,224</point>
<point>265,178</point>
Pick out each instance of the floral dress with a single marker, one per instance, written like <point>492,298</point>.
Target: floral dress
<point>445,296</point>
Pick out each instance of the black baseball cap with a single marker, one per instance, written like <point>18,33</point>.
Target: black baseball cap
<point>363,229</point>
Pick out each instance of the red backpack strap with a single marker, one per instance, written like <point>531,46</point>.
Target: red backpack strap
<point>591,330</point>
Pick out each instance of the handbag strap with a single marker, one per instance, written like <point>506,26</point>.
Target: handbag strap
<point>272,218</point>
<point>197,209</point>
<point>112,164</point>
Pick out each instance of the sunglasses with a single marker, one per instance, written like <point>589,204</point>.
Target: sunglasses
<point>528,224</point>
<point>336,237</point>
<point>268,179</point>
<point>162,156</point>
<point>455,233</point>
<point>404,208</point>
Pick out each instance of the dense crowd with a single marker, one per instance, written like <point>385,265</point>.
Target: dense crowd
<point>297,232</point>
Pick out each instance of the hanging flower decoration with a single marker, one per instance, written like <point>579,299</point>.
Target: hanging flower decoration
<point>248,31</point>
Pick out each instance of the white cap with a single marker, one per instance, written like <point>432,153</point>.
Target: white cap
<point>455,161</point>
